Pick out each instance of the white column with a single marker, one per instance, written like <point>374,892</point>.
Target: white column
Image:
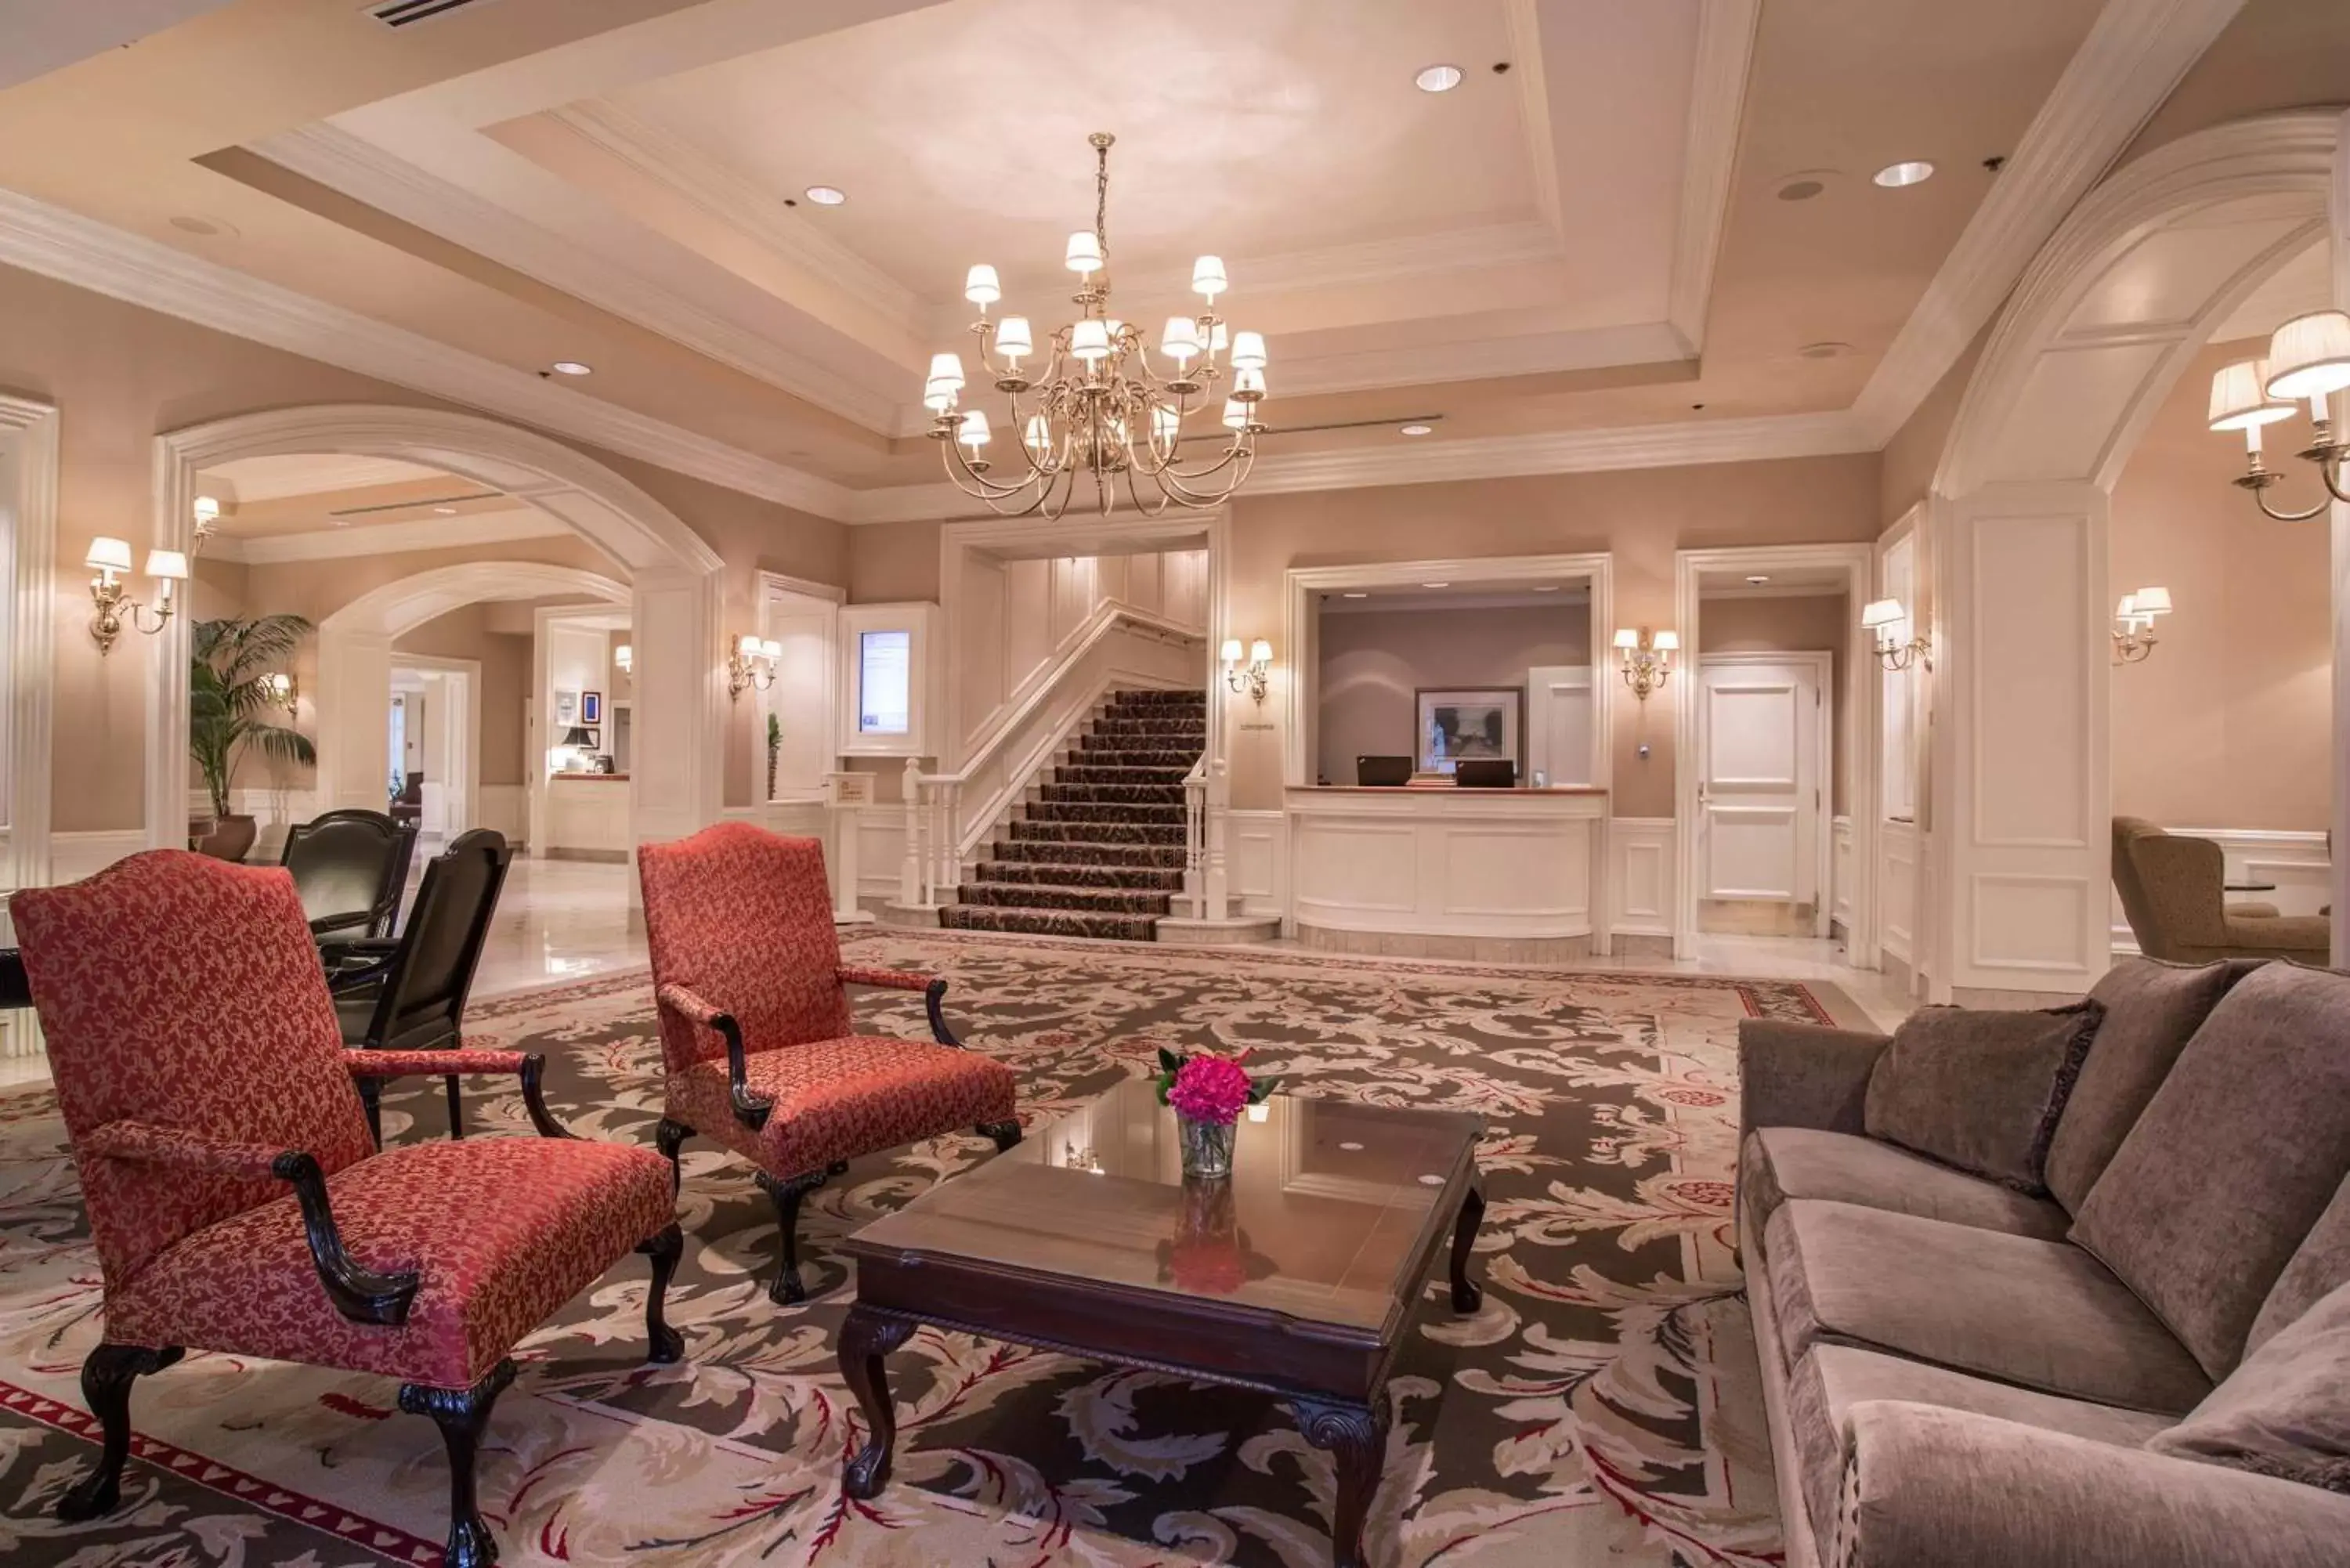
<point>677,771</point>
<point>353,705</point>
<point>2022,801</point>
<point>2338,207</point>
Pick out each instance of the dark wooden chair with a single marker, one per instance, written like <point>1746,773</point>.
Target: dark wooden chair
<point>408,806</point>
<point>350,868</point>
<point>408,993</point>
<point>235,1202</point>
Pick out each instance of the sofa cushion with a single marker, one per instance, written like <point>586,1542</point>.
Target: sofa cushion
<point>1981,1089</point>
<point>2285,1412</point>
<point>1832,1379</point>
<point>2320,1266</point>
<point>1779,1163</point>
<point>2152,1009</point>
<point>2238,1154</point>
<point>2041,1314</point>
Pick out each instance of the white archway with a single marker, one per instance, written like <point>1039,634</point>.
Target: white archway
<point>352,703</point>
<point>2101,327</point>
<point>674,588</point>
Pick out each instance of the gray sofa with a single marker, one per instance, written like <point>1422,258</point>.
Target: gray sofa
<point>1959,1374</point>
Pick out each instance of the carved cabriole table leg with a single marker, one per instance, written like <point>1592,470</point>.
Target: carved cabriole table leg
<point>866,1338</point>
<point>1357,1438</point>
<point>1466,1295</point>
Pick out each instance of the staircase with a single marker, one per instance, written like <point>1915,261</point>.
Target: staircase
<point>1100,852</point>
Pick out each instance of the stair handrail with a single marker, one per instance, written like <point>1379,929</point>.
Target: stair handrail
<point>1195,835</point>
<point>933,801</point>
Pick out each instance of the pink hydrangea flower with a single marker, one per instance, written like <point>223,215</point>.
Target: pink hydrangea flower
<point>1209,1089</point>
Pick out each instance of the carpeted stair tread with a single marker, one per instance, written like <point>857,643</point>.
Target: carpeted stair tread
<point>1098,852</point>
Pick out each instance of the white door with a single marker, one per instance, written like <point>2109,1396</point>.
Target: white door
<point>1558,723</point>
<point>1762,785</point>
<point>801,699</point>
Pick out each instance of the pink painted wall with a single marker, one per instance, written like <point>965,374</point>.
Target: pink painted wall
<point>1373,664</point>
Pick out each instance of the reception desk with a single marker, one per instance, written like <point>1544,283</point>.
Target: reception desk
<point>586,816</point>
<point>1505,876</point>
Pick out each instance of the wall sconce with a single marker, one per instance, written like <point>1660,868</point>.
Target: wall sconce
<point>1251,676</point>
<point>110,559</point>
<point>2133,635</point>
<point>2308,359</point>
<point>624,655</point>
<point>1647,658</point>
<point>1887,619</point>
<point>206,515</point>
<point>753,663</point>
<point>286,692</point>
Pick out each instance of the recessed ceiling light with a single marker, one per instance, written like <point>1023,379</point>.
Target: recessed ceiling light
<point>1436,585</point>
<point>1546,588</point>
<point>1438,78</point>
<point>445,511</point>
<point>1824,350</point>
<point>1758,579</point>
<point>826,195</point>
<point>571,368</point>
<point>1357,595</point>
<point>204,228</point>
<point>1801,189</point>
<point>1418,429</point>
<point>1893,176</point>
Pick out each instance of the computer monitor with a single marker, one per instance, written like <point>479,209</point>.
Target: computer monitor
<point>1486,772</point>
<point>1384,772</point>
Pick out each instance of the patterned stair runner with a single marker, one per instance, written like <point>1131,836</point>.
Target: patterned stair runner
<point>1100,852</point>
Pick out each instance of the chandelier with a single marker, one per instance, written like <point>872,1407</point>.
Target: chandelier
<point>1095,413</point>
<point>2308,358</point>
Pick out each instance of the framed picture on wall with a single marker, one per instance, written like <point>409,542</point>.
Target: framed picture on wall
<point>1473,722</point>
<point>591,707</point>
<point>566,709</point>
<point>594,738</point>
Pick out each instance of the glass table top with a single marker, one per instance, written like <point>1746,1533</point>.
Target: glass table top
<point>1325,1215</point>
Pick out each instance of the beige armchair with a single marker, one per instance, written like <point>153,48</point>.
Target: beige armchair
<point>2171,889</point>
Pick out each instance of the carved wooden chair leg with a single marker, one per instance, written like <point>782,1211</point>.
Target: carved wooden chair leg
<point>106,1379</point>
<point>456,1111</point>
<point>787,1191</point>
<point>462,1414</point>
<point>1005,1134</point>
<point>665,1249</point>
<point>670,1139</point>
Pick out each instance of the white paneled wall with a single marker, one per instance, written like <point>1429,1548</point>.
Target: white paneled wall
<point>1640,875</point>
<point>1014,618</point>
<point>1257,849</point>
<point>1840,874</point>
<point>1896,889</point>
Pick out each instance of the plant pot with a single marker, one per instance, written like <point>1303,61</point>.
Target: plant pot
<point>228,837</point>
<point>1207,1147</point>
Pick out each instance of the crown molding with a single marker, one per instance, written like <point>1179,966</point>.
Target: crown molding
<point>2134,56</point>
<point>1725,53</point>
<point>383,179</point>
<point>1521,22</point>
<point>80,250</point>
<point>388,538</point>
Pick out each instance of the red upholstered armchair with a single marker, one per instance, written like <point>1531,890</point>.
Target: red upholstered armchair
<point>757,1040</point>
<point>235,1196</point>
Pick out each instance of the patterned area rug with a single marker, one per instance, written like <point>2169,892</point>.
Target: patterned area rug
<point>1602,1408</point>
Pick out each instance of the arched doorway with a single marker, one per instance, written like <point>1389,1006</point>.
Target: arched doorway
<point>673,589</point>
<point>2103,323</point>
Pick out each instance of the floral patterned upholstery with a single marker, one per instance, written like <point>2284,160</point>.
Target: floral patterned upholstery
<point>739,922</point>
<point>192,1040</point>
<point>836,1099</point>
<point>503,1230</point>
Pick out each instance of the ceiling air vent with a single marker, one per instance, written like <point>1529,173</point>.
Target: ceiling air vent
<point>408,13</point>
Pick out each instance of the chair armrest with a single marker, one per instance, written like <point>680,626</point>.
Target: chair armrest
<point>356,920</point>
<point>751,1109</point>
<point>2287,933</point>
<point>359,1294</point>
<point>355,964</point>
<point>15,990</point>
<point>1803,1076</point>
<point>1931,1487</point>
<point>529,1065</point>
<point>933,990</point>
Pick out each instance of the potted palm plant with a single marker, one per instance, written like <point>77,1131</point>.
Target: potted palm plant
<point>230,696</point>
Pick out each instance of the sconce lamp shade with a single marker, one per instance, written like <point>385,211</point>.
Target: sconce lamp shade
<point>206,511</point>
<point>2310,356</point>
<point>168,564</point>
<point>1261,651</point>
<point>770,649</point>
<point>1231,652</point>
<point>2150,601</point>
<point>106,554</point>
<point>1667,641</point>
<point>1627,637</point>
<point>2240,400</point>
<point>747,646</point>
<point>575,737</point>
<point>1881,613</point>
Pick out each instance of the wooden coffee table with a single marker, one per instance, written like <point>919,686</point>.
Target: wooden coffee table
<point>1296,1277</point>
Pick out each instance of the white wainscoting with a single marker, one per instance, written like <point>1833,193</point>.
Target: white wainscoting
<point>880,850</point>
<point>1640,875</point>
<point>1897,885</point>
<point>2296,862</point>
<point>1840,874</point>
<point>1256,857</point>
<point>74,856</point>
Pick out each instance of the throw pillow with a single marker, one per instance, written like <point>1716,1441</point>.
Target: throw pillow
<point>2152,1009</point>
<point>2285,1411</point>
<point>2227,1172</point>
<point>1981,1090</point>
<point>2319,1265</point>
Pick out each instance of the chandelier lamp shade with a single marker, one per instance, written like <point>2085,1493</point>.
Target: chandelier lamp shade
<point>2308,361</point>
<point>1094,408</point>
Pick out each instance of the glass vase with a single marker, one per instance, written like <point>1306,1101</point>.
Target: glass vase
<point>1207,1146</point>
